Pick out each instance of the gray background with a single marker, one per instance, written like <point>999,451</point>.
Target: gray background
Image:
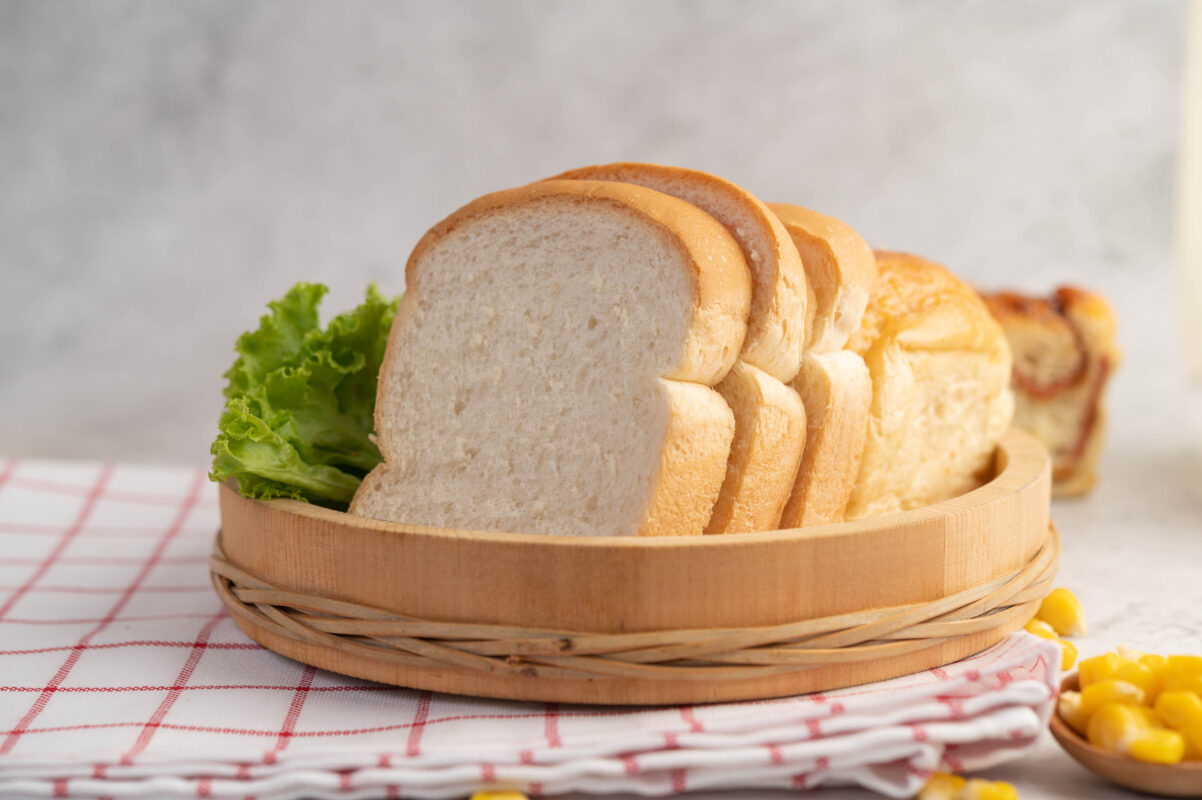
<point>167,168</point>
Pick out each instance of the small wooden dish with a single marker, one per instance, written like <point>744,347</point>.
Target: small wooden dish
<point>643,620</point>
<point>1176,780</point>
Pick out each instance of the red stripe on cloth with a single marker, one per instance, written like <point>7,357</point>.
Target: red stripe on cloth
<point>43,699</point>
<point>414,746</point>
<point>69,534</point>
<point>686,713</point>
<point>551,726</point>
<point>488,773</point>
<point>60,787</point>
<point>197,687</point>
<point>392,792</point>
<point>799,781</point>
<point>294,710</point>
<point>185,673</point>
<point>10,468</point>
<point>775,755</point>
<point>107,589</point>
<point>679,780</point>
<point>204,787</point>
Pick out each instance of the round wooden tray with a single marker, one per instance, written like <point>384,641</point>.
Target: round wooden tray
<point>643,620</point>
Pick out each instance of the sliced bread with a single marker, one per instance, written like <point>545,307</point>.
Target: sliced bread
<point>770,423</point>
<point>833,382</point>
<point>551,365</point>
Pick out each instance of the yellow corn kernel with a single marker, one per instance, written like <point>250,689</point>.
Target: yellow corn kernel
<point>1068,654</point>
<point>1069,708</point>
<point>1149,717</point>
<point>1183,673</point>
<point>1158,665</point>
<point>978,789</point>
<point>1176,708</point>
<point>1192,731</point>
<point>1096,669</point>
<point>1110,691</point>
<point>1040,628</point>
<point>942,786</point>
<point>1062,610</point>
<point>499,794</point>
<point>1114,726</point>
<point>1158,746</point>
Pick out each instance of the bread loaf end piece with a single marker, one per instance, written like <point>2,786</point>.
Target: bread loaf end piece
<point>941,401</point>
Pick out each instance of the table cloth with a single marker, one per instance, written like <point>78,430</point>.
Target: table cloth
<point>121,675</point>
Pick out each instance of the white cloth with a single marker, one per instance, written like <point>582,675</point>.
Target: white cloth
<point>122,676</point>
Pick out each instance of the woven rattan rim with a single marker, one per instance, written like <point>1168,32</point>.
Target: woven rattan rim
<point>700,654</point>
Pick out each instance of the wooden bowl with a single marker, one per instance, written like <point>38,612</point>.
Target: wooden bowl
<point>1176,780</point>
<point>643,620</point>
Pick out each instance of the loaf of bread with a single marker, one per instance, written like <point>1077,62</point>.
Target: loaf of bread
<point>1064,354</point>
<point>770,421</point>
<point>551,366</point>
<point>941,399</point>
<point>833,382</point>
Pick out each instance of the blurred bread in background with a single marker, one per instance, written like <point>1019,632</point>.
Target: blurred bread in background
<point>1064,354</point>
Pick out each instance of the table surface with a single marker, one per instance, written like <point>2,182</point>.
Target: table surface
<point>1132,552</point>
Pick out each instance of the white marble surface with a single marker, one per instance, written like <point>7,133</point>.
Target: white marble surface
<point>166,168</point>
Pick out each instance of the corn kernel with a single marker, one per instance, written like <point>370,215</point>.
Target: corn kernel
<point>1176,708</point>
<point>1114,726</point>
<point>1192,731</point>
<point>1158,746</point>
<point>1040,628</point>
<point>1110,691</point>
<point>1096,669</point>
<point>1062,610</point>
<point>942,786</point>
<point>1068,654</point>
<point>499,794</point>
<point>1149,717</point>
<point>1069,709</point>
<point>978,789</point>
<point>1183,673</point>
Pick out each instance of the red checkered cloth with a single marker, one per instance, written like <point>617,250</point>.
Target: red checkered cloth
<point>121,675</point>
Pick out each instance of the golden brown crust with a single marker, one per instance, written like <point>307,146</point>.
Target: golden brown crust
<point>770,434</point>
<point>779,293</point>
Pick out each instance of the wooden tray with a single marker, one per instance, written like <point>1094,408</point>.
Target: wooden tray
<point>643,620</point>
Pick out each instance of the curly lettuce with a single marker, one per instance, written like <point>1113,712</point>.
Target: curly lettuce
<point>299,400</point>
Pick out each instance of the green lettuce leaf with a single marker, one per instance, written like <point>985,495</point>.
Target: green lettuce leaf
<point>299,400</point>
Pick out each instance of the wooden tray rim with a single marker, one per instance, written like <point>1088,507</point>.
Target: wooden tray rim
<point>1020,460</point>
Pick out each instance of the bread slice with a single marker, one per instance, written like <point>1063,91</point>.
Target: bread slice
<point>1064,354</point>
<point>770,422</point>
<point>833,383</point>
<point>551,365</point>
<point>941,399</point>
<point>770,432</point>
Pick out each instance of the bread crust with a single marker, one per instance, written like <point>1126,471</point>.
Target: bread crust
<point>779,297</point>
<point>770,435</point>
<point>697,440</point>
